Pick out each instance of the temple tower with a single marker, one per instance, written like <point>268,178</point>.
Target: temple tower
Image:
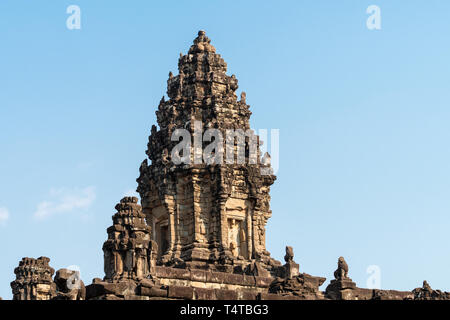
<point>33,280</point>
<point>128,249</point>
<point>204,212</point>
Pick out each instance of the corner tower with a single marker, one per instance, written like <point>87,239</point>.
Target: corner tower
<point>206,214</point>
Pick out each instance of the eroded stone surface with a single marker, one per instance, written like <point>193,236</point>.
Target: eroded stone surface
<point>69,285</point>
<point>33,280</point>
<point>427,293</point>
<point>128,249</point>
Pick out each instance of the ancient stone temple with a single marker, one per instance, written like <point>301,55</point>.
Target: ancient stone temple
<point>210,216</point>
<point>200,231</point>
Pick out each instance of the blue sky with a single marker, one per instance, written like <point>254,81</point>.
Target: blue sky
<point>363,118</point>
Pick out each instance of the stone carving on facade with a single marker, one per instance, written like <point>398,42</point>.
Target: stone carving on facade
<point>243,97</point>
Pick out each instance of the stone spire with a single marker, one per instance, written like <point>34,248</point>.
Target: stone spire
<point>33,280</point>
<point>127,251</point>
<point>202,44</point>
<point>208,215</point>
<point>202,73</point>
<point>202,82</point>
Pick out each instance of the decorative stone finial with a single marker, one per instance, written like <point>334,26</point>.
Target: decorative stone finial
<point>243,96</point>
<point>202,44</point>
<point>291,267</point>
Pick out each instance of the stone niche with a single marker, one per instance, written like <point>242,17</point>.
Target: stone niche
<point>239,225</point>
<point>160,227</point>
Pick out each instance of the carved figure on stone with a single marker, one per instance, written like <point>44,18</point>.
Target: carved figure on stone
<point>233,248</point>
<point>341,272</point>
<point>426,286</point>
<point>289,256</point>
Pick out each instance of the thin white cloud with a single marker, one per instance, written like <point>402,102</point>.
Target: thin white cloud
<point>4,215</point>
<point>65,200</point>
